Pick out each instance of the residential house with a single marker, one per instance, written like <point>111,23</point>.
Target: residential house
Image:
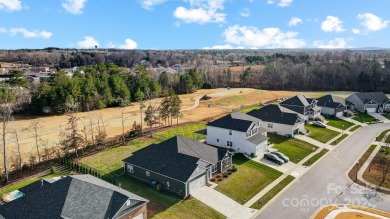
<point>370,102</point>
<point>307,107</point>
<point>178,165</point>
<point>238,131</point>
<point>331,105</point>
<point>279,120</point>
<point>75,196</point>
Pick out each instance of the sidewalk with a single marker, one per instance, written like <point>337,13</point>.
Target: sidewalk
<point>365,166</point>
<point>222,203</point>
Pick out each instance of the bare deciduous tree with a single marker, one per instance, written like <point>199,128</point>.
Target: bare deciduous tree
<point>34,129</point>
<point>151,117</point>
<point>15,132</point>
<point>71,137</point>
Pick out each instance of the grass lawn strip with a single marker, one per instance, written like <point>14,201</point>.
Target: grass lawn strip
<point>293,148</point>
<point>314,158</point>
<point>339,123</point>
<point>373,174</point>
<point>370,210</point>
<point>325,211</point>
<point>355,128</point>
<point>386,115</point>
<point>250,178</point>
<point>381,135</point>
<point>321,134</point>
<point>247,110</point>
<point>272,193</point>
<point>338,140</point>
<point>362,160</point>
<point>364,118</point>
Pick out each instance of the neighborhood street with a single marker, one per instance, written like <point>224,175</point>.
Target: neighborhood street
<point>327,183</point>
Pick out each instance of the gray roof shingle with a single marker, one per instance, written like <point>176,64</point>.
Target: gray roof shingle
<point>378,97</point>
<point>331,101</point>
<point>177,157</point>
<point>257,139</point>
<point>298,100</point>
<point>235,121</point>
<point>276,114</point>
<point>79,196</point>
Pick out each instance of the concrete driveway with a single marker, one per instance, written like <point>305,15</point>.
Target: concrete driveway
<point>327,183</point>
<point>379,117</point>
<point>222,203</point>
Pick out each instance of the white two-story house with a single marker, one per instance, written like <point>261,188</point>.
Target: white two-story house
<point>239,132</point>
<point>307,107</point>
<point>279,120</point>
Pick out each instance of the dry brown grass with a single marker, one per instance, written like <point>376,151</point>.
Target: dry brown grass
<point>370,210</point>
<point>223,101</point>
<point>325,211</point>
<point>349,215</point>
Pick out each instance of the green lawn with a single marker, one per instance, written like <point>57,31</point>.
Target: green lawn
<point>246,110</point>
<point>316,157</point>
<point>338,140</point>
<point>18,185</point>
<point>364,118</point>
<point>293,148</point>
<point>355,128</point>
<point>386,115</point>
<point>374,173</point>
<point>249,179</point>
<point>272,193</point>
<point>339,123</point>
<point>321,134</point>
<point>380,137</point>
<point>162,204</point>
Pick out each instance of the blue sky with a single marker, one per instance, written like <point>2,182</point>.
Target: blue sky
<point>194,24</point>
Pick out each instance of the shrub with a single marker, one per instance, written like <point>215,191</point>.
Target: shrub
<point>234,169</point>
<point>229,173</point>
<point>53,170</point>
<point>220,179</point>
<point>218,176</point>
<point>225,175</point>
<point>212,179</point>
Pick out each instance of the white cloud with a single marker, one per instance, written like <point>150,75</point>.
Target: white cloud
<point>246,12</point>
<point>294,21</point>
<point>280,3</point>
<point>27,33</point>
<point>332,24</point>
<point>10,5</point>
<point>371,22</point>
<point>201,11</point>
<point>74,6</point>
<point>252,37</point>
<point>129,44</point>
<point>88,43</point>
<point>149,4</point>
<point>331,44</point>
<point>356,31</point>
<point>227,46</point>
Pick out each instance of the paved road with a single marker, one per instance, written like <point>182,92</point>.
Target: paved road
<point>326,182</point>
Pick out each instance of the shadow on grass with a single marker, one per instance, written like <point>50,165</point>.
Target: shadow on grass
<point>202,132</point>
<point>159,200</point>
<point>277,139</point>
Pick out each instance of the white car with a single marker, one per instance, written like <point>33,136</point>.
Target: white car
<point>320,124</point>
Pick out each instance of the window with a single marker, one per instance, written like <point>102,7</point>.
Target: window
<point>130,168</point>
<point>214,168</point>
<point>168,184</point>
<point>229,143</point>
<point>270,125</point>
<point>230,132</point>
<point>218,140</point>
<point>147,173</point>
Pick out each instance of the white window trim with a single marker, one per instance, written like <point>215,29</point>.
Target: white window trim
<point>130,168</point>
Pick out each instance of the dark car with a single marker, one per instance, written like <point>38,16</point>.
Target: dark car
<point>281,156</point>
<point>273,158</point>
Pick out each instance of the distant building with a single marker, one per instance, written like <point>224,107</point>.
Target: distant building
<point>369,102</point>
<point>39,69</point>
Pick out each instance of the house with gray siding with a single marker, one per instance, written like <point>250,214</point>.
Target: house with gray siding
<point>74,196</point>
<point>239,132</point>
<point>307,107</point>
<point>331,105</point>
<point>279,120</point>
<point>370,102</point>
<point>178,165</point>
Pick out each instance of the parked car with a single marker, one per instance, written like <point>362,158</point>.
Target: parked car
<point>320,124</point>
<point>281,156</point>
<point>273,158</point>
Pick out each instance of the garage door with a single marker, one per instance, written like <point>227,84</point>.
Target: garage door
<point>371,110</point>
<point>200,182</point>
<point>141,216</point>
<point>339,114</point>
